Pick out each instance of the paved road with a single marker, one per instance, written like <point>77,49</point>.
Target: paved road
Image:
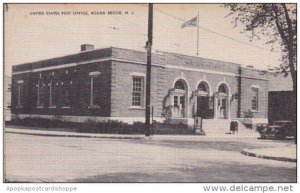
<point>67,159</point>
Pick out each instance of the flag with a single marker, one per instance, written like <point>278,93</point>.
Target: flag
<point>190,23</point>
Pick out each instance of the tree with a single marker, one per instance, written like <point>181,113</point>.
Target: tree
<point>276,23</point>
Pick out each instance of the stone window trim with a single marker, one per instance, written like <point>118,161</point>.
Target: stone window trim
<point>93,75</point>
<point>136,108</point>
<point>138,74</point>
<point>96,73</point>
<point>255,86</point>
<point>94,107</point>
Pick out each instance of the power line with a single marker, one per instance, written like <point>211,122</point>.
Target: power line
<point>214,32</point>
<point>128,32</point>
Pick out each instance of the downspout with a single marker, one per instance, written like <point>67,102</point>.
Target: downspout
<point>239,79</point>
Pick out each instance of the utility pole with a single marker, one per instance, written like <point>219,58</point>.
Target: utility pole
<point>148,74</point>
<point>239,78</point>
<point>198,34</point>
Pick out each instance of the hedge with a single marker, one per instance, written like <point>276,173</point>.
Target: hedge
<point>107,127</point>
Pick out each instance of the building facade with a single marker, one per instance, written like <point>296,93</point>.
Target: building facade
<point>282,99</point>
<point>109,84</point>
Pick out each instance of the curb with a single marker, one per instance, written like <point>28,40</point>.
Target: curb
<point>72,135</point>
<point>251,154</point>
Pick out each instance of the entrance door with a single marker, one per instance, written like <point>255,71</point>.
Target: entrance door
<point>179,106</point>
<point>202,107</point>
<point>223,102</point>
<point>222,108</point>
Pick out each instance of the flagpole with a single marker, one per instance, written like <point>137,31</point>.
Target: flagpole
<point>198,34</point>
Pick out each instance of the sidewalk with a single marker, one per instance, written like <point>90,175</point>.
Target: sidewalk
<point>70,134</point>
<point>59,133</point>
<point>287,152</point>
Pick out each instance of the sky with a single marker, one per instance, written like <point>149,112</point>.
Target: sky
<point>30,37</point>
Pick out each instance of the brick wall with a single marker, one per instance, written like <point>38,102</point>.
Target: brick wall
<point>246,96</point>
<point>259,80</point>
<point>78,80</point>
<point>122,88</point>
<point>163,79</point>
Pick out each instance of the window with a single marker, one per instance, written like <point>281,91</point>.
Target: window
<point>94,94</point>
<point>176,101</point>
<point>39,86</point>
<point>179,85</point>
<point>202,87</point>
<point>137,91</point>
<point>222,89</point>
<point>51,93</point>
<point>182,101</point>
<point>254,100</point>
<point>20,85</point>
<point>67,94</point>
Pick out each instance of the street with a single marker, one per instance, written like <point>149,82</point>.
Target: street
<point>160,159</point>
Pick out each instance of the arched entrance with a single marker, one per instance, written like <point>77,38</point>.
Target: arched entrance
<point>203,99</point>
<point>222,101</point>
<point>180,99</point>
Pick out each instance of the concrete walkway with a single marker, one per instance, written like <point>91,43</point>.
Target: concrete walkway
<point>287,152</point>
<point>51,133</point>
<point>69,134</point>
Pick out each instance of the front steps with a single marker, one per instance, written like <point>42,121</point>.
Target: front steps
<point>218,127</point>
<point>221,128</point>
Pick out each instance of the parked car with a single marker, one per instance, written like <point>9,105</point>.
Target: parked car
<point>278,130</point>
<point>261,126</point>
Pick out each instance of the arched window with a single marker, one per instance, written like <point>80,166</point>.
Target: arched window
<point>179,85</point>
<point>202,87</point>
<point>180,99</point>
<point>222,89</point>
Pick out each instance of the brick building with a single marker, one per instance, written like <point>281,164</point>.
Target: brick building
<point>109,84</point>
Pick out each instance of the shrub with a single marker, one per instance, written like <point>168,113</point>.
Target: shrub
<point>112,127</point>
<point>166,128</point>
<point>107,127</point>
<point>167,113</point>
<point>248,114</point>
